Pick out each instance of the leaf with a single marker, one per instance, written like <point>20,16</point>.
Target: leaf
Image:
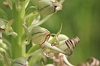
<point>33,18</point>
<point>40,22</point>
<point>3,14</point>
<point>33,48</point>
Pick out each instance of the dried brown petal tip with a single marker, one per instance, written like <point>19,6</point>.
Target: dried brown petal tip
<point>71,43</point>
<point>6,4</point>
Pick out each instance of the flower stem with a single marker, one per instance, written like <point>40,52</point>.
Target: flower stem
<point>17,27</point>
<point>18,13</point>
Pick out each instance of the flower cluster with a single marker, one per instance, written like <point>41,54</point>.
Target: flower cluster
<point>43,43</point>
<point>24,29</point>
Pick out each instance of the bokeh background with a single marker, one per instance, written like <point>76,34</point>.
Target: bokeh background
<point>79,18</point>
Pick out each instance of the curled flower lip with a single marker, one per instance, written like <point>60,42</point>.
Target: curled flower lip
<point>71,43</point>
<point>65,45</point>
<point>91,61</point>
<point>94,62</point>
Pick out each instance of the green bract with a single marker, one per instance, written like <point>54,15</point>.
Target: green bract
<point>20,62</point>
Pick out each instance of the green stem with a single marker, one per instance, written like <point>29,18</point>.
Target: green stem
<point>23,50</point>
<point>18,13</point>
<point>18,50</point>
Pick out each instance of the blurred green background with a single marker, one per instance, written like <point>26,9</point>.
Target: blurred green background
<point>79,18</point>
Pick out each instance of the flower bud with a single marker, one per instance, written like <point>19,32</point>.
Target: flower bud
<point>62,37</point>
<point>47,7</point>
<point>56,48</point>
<point>20,62</point>
<point>62,45</point>
<point>39,35</point>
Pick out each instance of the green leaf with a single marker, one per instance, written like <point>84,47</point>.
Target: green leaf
<point>3,14</point>
<point>33,18</point>
<point>40,22</point>
<point>33,48</point>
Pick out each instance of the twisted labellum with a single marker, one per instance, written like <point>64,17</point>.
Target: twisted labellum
<point>92,62</point>
<point>71,43</point>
